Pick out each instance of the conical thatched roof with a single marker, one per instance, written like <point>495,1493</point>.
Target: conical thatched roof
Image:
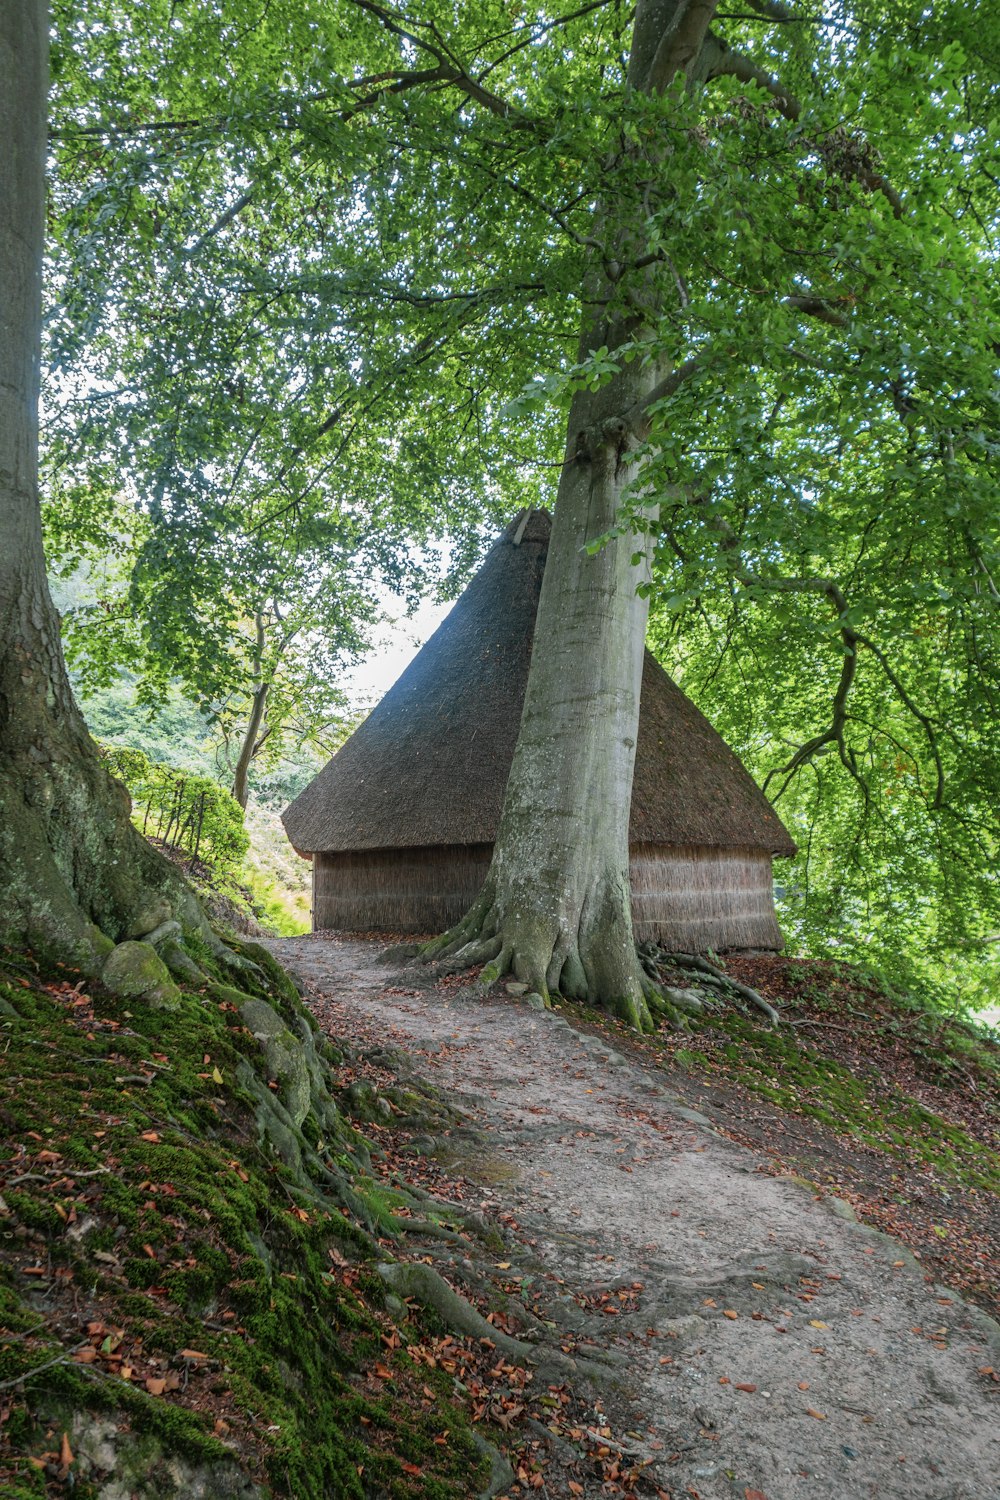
<point>429,765</point>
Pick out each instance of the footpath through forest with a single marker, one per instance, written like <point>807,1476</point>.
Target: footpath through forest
<point>760,1345</point>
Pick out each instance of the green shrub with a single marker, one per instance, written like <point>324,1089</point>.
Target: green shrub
<point>187,812</point>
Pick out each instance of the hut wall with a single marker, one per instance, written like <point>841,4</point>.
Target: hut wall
<point>688,899</point>
<point>398,890</point>
<point>693,899</point>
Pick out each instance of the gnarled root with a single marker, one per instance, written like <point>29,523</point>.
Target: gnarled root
<point>595,962</point>
<point>425,1285</point>
<point>696,961</point>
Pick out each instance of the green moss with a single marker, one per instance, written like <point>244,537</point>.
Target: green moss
<point>29,1486</point>
<point>192,1217</point>
<point>280,984</point>
<point>783,1067</point>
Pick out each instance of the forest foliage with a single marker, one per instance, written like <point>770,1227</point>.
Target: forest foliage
<point>315,286</point>
<point>189,814</point>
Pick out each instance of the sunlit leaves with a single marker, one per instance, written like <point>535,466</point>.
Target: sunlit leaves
<point>318,265</point>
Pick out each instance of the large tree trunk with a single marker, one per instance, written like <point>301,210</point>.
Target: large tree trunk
<point>561,868</point>
<point>556,906</point>
<point>74,875</point>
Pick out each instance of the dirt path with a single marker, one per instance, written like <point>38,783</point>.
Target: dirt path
<point>770,1345</point>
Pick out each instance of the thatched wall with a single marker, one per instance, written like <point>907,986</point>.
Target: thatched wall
<point>398,890</point>
<point>688,899</point>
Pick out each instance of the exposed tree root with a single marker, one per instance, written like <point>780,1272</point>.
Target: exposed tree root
<point>420,1281</point>
<point>696,961</point>
<point>548,957</point>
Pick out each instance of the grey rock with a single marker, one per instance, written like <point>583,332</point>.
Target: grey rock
<point>159,935</point>
<point>151,917</point>
<point>179,962</point>
<point>123,1465</point>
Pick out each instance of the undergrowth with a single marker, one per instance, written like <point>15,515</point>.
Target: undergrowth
<point>160,1265</point>
<point>855,1055</point>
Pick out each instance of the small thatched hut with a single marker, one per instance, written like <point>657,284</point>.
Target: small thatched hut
<point>400,823</point>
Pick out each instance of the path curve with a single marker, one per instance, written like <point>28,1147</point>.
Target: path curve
<point>795,1353</point>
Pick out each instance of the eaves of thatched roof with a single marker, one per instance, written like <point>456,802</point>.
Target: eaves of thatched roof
<point>429,765</point>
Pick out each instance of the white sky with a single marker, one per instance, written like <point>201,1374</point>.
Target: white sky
<point>395,646</point>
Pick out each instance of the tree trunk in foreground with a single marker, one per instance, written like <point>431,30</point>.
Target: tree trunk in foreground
<point>75,877</point>
<point>556,906</point>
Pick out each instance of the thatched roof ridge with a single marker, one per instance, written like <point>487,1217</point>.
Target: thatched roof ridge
<point>429,766</point>
<point>430,763</point>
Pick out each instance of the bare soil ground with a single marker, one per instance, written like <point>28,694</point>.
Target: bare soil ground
<point>763,1346</point>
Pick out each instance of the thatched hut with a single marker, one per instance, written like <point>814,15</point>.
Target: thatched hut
<point>400,823</point>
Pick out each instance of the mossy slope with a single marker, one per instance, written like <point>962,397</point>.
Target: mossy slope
<point>172,1265</point>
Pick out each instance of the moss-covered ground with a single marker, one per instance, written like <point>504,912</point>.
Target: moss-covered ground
<point>161,1265</point>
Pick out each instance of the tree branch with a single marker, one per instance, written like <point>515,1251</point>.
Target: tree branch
<point>637,416</point>
<point>457,75</point>
<point>921,718</point>
<point>719,60</point>
<point>534,33</point>
<point>821,308</point>
<point>772,10</point>
<point>834,734</point>
<point>681,43</point>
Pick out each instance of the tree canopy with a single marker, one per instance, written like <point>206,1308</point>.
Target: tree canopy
<point>319,269</point>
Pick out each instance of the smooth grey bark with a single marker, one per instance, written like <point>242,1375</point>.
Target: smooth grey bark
<point>556,904</point>
<point>74,875</point>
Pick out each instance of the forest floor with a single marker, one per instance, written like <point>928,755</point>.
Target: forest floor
<point>701,1215</point>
